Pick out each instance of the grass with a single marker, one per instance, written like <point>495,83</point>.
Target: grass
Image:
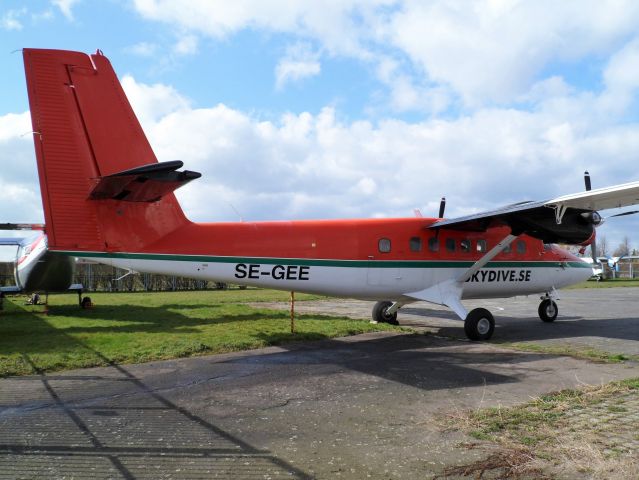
<point>141,327</point>
<point>542,436</point>
<point>585,353</point>
<point>611,283</point>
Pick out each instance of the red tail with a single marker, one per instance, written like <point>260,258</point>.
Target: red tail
<point>87,141</point>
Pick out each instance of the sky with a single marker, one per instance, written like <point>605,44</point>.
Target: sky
<point>351,108</point>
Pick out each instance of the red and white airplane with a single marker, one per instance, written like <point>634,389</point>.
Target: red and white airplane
<point>106,198</point>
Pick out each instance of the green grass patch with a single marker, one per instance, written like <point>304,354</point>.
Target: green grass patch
<point>140,327</point>
<point>536,422</point>
<point>585,353</point>
<point>611,283</point>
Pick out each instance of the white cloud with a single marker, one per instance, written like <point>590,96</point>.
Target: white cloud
<point>186,45</point>
<point>484,51</point>
<point>336,22</point>
<point>494,51</point>
<point>66,7</point>
<point>300,62</point>
<point>152,102</point>
<point>10,20</point>
<point>18,177</point>
<point>314,165</point>
<point>142,49</point>
<point>15,125</point>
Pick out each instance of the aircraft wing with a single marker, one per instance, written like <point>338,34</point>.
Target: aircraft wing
<point>566,219</point>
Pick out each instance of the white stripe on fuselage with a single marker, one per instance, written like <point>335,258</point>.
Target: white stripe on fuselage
<point>364,281</point>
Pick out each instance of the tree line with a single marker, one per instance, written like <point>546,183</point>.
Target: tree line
<point>105,278</point>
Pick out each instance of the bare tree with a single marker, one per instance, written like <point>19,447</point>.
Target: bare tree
<point>602,246</point>
<point>623,248</point>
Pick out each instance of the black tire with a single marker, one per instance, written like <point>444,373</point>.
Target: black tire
<point>380,315</point>
<point>479,324</point>
<point>548,310</point>
<point>86,302</point>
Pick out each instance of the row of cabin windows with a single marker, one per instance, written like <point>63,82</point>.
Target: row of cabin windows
<point>451,245</point>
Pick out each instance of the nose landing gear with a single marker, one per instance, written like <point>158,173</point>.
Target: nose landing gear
<point>548,310</point>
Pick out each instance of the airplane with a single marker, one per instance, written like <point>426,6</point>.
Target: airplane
<point>107,198</point>
<point>37,269</point>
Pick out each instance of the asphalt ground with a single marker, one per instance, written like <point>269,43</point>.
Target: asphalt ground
<point>369,406</point>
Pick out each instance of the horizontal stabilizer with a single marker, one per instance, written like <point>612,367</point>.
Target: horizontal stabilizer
<point>148,183</point>
<point>21,226</point>
<point>11,241</point>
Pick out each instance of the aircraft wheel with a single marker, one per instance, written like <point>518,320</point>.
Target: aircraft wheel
<point>479,324</point>
<point>548,310</point>
<point>380,315</point>
<point>86,302</point>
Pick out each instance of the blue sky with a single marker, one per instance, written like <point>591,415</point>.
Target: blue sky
<point>352,108</point>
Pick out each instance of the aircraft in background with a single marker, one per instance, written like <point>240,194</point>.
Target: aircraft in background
<point>37,269</point>
<point>106,198</point>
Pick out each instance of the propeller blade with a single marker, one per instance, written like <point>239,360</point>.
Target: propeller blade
<point>593,250</point>
<point>442,207</point>
<point>624,214</point>
<point>587,181</point>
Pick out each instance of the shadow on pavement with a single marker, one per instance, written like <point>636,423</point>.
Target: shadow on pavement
<point>130,432</point>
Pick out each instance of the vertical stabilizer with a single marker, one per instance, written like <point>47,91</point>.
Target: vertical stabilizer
<point>85,130</point>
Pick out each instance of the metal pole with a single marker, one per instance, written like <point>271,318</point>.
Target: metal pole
<point>292,312</point>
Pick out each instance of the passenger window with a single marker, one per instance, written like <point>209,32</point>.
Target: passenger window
<point>521,246</point>
<point>450,244</point>
<point>481,246</point>
<point>415,244</point>
<point>465,245</point>
<point>433,244</point>
<point>384,245</point>
<point>509,248</point>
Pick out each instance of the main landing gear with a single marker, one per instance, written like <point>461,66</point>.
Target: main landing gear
<point>381,314</point>
<point>479,324</point>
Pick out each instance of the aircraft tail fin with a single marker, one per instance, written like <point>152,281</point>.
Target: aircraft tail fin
<point>101,184</point>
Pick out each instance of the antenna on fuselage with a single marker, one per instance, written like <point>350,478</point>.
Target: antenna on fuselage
<point>442,207</point>
<point>235,210</point>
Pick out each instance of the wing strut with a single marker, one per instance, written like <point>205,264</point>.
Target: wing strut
<point>449,292</point>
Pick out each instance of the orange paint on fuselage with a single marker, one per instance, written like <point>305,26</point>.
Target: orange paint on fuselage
<point>345,240</point>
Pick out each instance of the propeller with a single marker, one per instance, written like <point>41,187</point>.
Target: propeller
<point>594,215</point>
<point>593,243</point>
<point>442,207</point>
